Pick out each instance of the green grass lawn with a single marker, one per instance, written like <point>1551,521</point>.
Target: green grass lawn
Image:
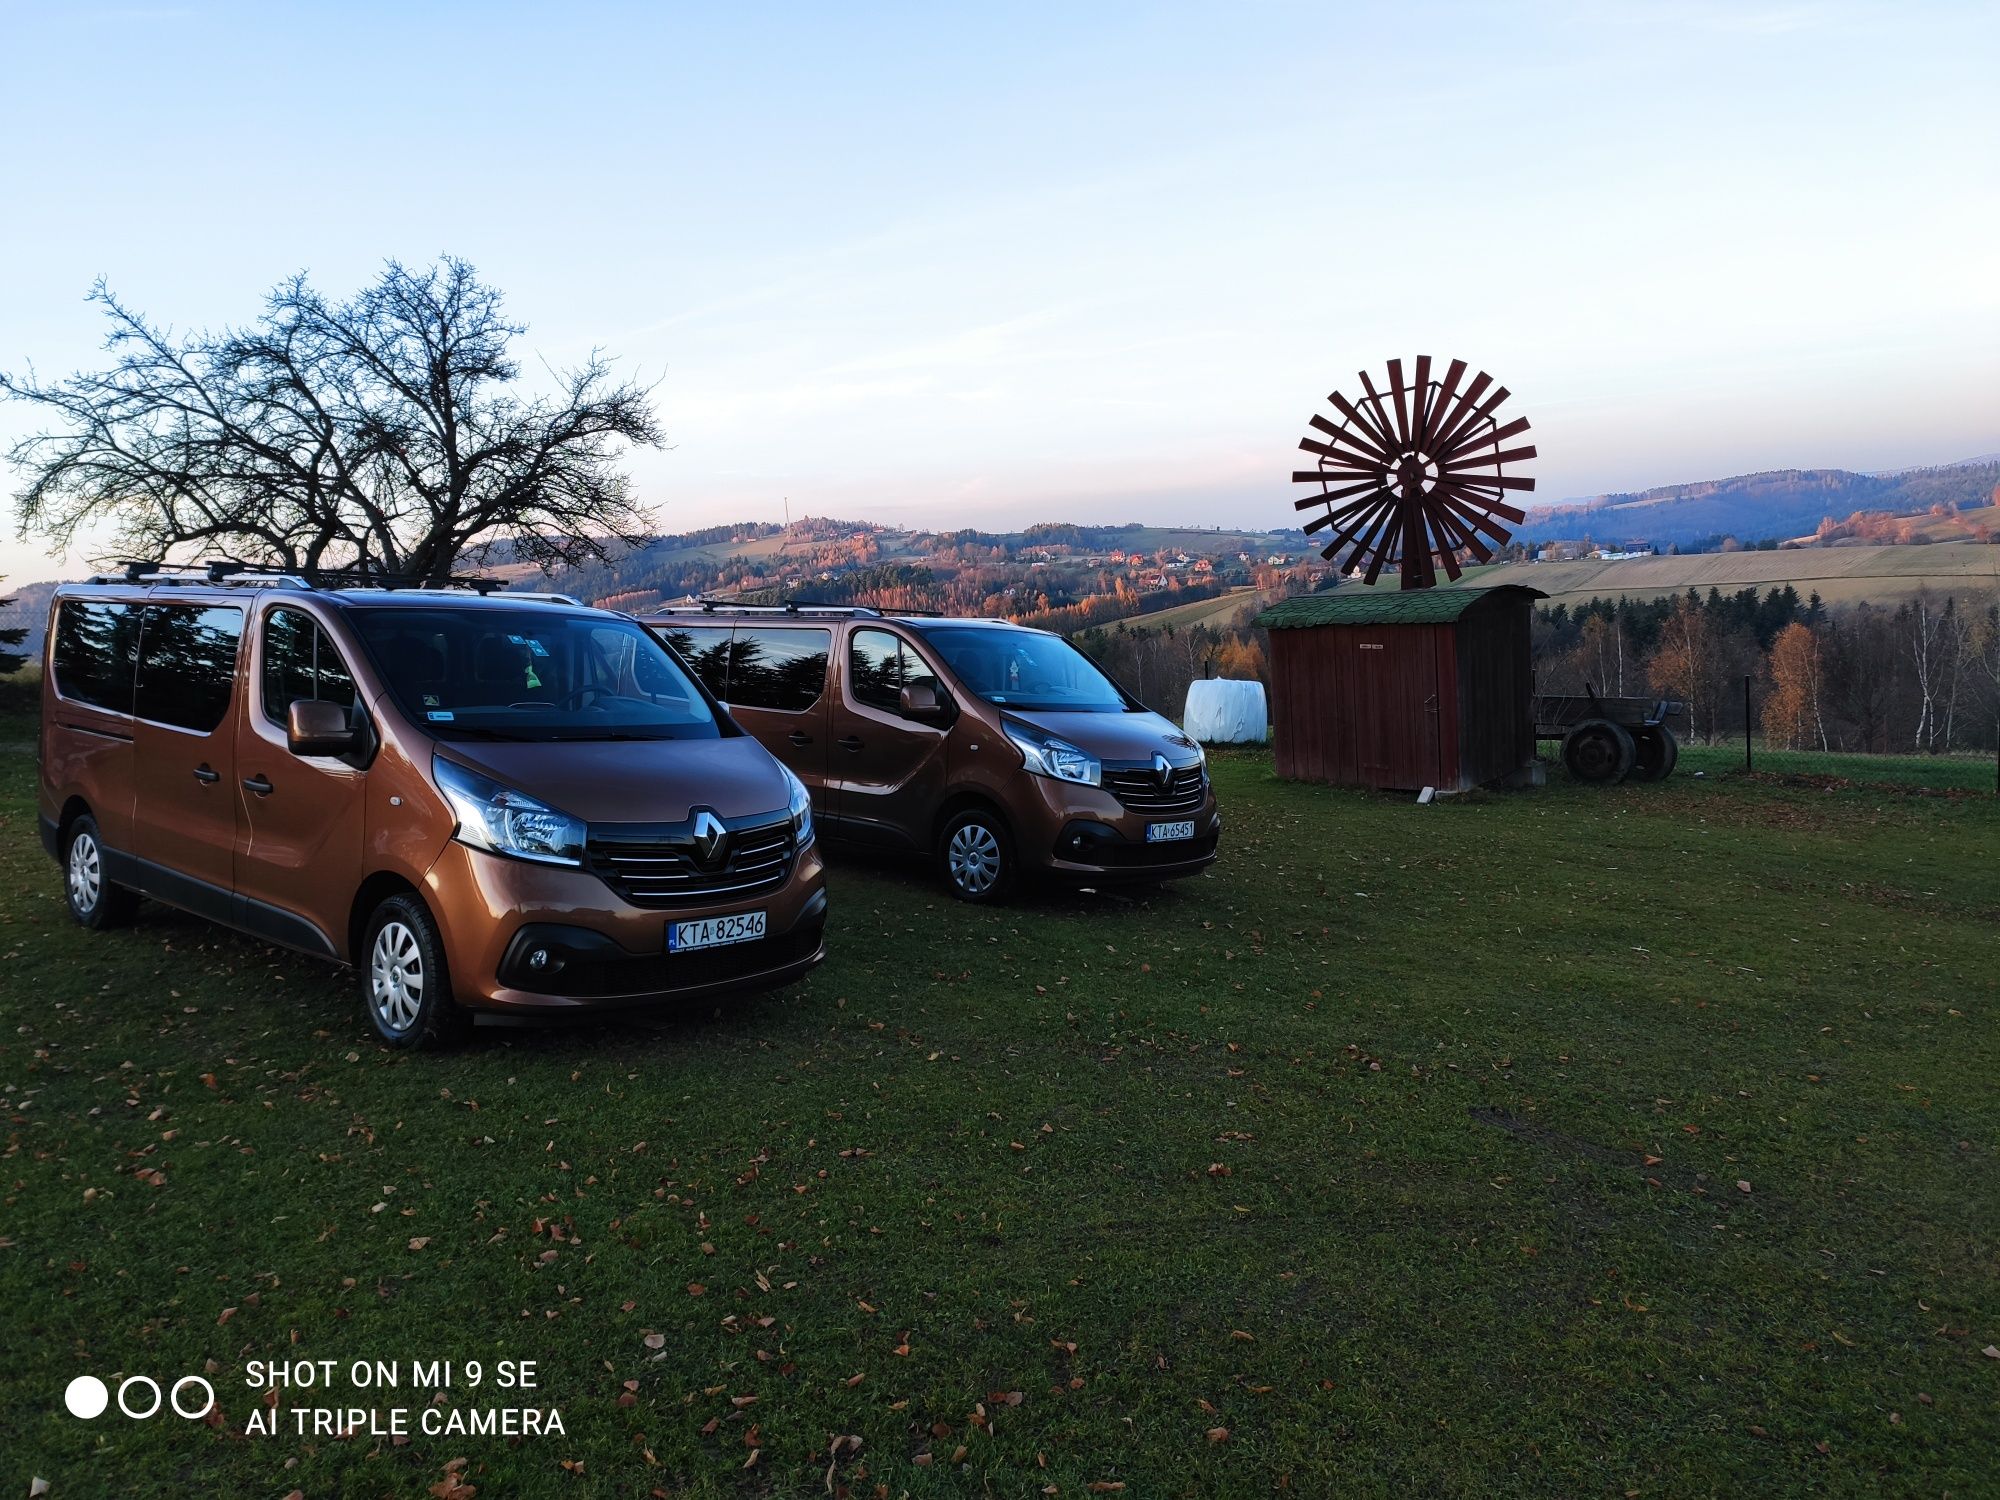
<point>1968,772</point>
<point>1638,1141</point>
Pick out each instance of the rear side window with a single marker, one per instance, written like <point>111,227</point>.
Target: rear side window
<point>706,649</point>
<point>300,662</point>
<point>778,668</point>
<point>96,649</point>
<point>187,664</point>
<point>880,666</point>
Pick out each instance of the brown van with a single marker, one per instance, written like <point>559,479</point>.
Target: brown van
<point>995,749</point>
<point>504,804</point>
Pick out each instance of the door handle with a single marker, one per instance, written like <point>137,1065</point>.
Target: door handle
<point>800,738</point>
<point>850,743</point>
<point>206,776</point>
<point>259,784</point>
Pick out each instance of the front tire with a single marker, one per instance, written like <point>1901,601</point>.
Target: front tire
<point>93,900</point>
<point>405,987</point>
<point>976,856</point>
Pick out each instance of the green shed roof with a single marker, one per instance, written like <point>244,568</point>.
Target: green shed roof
<point>1360,605</point>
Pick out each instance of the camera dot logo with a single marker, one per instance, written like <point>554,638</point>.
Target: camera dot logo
<point>86,1397</point>
<point>139,1397</point>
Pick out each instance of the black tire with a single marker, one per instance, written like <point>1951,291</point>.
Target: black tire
<point>1654,753</point>
<point>1598,751</point>
<point>405,986</point>
<point>976,856</point>
<point>93,900</point>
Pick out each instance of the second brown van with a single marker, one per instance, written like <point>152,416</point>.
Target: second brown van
<point>995,750</point>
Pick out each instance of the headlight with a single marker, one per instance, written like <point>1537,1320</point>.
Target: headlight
<point>801,810</point>
<point>1048,756</point>
<point>500,819</point>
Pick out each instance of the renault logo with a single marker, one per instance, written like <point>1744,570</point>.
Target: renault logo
<point>1163,771</point>
<point>710,839</point>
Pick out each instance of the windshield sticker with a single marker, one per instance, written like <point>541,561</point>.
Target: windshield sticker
<point>439,716</point>
<point>531,643</point>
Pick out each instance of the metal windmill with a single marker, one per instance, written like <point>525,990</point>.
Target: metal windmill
<point>1415,473</point>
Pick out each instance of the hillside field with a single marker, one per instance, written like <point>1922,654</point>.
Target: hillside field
<point>1635,1141</point>
<point>1839,575</point>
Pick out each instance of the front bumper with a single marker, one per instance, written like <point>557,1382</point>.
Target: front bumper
<point>604,953</point>
<point>1085,834</point>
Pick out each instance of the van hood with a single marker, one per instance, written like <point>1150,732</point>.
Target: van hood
<point>635,781</point>
<point>1132,738</point>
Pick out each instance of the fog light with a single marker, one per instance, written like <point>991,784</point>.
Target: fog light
<point>539,959</point>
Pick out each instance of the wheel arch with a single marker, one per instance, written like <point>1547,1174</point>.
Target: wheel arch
<point>371,893</point>
<point>966,801</point>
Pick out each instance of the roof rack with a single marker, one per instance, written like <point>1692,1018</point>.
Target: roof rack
<point>789,607</point>
<point>233,572</point>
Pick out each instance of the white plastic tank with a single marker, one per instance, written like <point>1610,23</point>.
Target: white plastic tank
<point>1222,711</point>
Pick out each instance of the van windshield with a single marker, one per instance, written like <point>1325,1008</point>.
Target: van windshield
<point>1025,669</point>
<point>531,674</point>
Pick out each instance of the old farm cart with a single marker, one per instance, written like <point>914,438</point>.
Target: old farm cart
<point>1607,739</point>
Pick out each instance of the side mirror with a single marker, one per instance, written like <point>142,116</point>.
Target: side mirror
<point>921,702</point>
<point>315,728</point>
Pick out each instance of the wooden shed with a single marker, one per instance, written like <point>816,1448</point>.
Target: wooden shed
<point>1403,689</point>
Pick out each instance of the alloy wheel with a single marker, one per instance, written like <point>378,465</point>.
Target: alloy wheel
<point>396,977</point>
<point>973,856</point>
<point>86,872</point>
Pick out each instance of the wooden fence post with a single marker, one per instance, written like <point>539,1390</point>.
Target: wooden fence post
<point>1746,721</point>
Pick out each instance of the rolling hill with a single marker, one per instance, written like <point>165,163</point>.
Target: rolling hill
<point>1782,503</point>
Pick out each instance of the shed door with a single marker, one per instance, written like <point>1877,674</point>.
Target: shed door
<point>1396,728</point>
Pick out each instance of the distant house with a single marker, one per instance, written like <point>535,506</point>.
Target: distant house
<point>1203,565</point>
<point>1615,554</point>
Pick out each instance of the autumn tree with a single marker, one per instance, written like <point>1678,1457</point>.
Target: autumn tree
<point>1792,716</point>
<point>390,431</point>
<point>1686,664</point>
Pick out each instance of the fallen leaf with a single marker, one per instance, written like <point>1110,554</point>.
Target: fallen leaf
<point>420,1241</point>
<point>655,1341</point>
<point>1218,1434</point>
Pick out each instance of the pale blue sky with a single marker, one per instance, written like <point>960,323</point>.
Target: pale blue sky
<point>991,265</point>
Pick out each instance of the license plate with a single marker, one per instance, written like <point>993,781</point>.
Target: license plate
<point>1166,833</point>
<point>715,932</point>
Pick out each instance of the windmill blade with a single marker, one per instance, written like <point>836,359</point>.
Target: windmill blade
<point>1364,513</point>
<point>1329,496</point>
<point>1363,449</point>
<point>1363,532</point>
<point>1397,392</point>
<point>1488,460</point>
<point>1383,444</point>
<point>1480,512</point>
<point>1328,451</point>
<point>1454,373</point>
<point>1387,425</point>
<point>1451,437</point>
<point>1497,436</point>
<point>1468,401</point>
<point>1420,392</point>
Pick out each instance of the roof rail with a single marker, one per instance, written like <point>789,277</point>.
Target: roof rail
<point>234,572</point>
<point>789,607</point>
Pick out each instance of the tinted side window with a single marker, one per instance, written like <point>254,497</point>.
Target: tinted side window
<point>187,664</point>
<point>300,662</point>
<point>706,649</point>
<point>96,650</point>
<point>773,667</point>
<point>878,668</point>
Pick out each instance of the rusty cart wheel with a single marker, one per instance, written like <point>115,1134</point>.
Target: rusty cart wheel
<point>1654,752</point>
<point>1599,751</point>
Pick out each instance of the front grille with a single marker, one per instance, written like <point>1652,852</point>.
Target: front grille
<point>1141,790</point>
<point>651,870</point>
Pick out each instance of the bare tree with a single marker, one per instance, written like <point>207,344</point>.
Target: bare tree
<point>388,431</point>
